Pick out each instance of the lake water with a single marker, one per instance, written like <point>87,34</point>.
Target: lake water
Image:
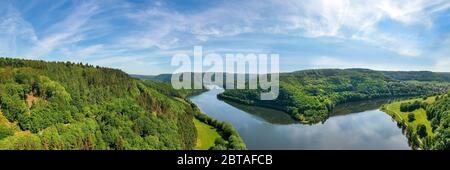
<point>352,126</point>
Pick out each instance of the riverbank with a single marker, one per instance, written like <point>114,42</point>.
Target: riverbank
<point>213,134</point>
<point>206,135</point>
<point>301,118</point>
<point>266,129</point>
<point>409,125</point>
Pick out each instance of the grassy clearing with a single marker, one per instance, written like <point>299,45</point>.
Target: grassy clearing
<point>206,135</point>
<point>393,109</point>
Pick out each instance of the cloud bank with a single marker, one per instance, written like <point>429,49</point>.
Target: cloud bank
<point>149,32</point>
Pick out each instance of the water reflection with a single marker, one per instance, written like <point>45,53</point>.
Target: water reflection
<point>360,106</point>
<point>268,115</point>
<point>364,128</point>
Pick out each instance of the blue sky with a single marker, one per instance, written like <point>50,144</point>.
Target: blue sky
<point>140,37</point>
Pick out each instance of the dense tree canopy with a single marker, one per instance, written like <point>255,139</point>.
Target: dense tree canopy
<point>439,115</point>
<point>418,75</point>
<point>410,106</point>
<point>311,95</point>
<point>55,105</point>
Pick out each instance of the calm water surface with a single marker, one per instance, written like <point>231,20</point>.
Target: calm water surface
<point>353,126</point>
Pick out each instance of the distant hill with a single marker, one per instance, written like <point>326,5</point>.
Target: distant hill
<point>418,75</point>
<point>311,95</point>
<point>166,78</point>
<point>161,77</point>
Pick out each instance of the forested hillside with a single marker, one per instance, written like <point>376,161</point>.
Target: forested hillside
<point>425,121</point>
<point>55,105</point>
<point>161,77</point>
<point>311,95</point>
<point>418,75</point>
<point>439,115</point>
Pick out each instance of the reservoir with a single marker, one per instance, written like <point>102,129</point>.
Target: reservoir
<point>359,125</point>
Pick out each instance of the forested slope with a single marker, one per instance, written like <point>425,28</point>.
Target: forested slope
<point>439,115</point>
<point>55,105</point>
<point>418,75</point>
<point>425,121</point>
<point>311,95</point>
<point>51,105</point>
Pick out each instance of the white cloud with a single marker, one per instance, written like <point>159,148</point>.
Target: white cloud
<point>442,65</point>
<point>14,30</point>
<point>159,27</point>
<point>441,56</point>
<point>405,46</point>
<point>164,27</point>
<point>360,19</point>
<point>84,51</point>
<point>333,62</point>
<point>311,18</point>
<point>111,60</point>
<point>133,64</point>
<point>413,12</point>
<point>330,17</point>
<point>316,18</point>
<point>68,31</point>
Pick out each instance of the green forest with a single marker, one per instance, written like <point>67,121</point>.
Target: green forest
<point>310,95</point>
<point>425,120</point>
<point>76,106</point>
<point>438,113</point>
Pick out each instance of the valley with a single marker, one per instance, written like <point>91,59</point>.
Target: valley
<point>75,106</point>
